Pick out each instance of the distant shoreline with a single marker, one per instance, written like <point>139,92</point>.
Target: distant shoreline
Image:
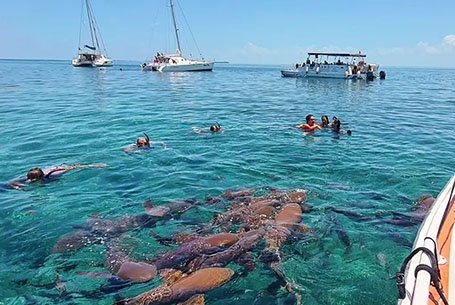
<point>136,62</point>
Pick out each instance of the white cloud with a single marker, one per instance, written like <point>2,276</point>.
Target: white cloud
<point>447,45</point>
<point>448,42</point>
<point>428,49</point>
<point>252,49</point>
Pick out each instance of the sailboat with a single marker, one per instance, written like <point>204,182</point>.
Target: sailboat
<point>94,54</point>
<point>176,62</point>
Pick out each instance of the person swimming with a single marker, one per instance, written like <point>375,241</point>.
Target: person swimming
<point>213,129</point>
<point>325,121</point>
<point>142,143</point>
<point>336,127</point>
<point>36,174</point>
<point>310,124</point>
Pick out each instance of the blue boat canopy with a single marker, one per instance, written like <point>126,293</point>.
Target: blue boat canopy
<point>337,54</point>
<point>90,47</point>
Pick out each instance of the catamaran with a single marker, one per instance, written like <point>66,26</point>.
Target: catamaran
<point>334,65</point>
<point>176,62</point>
<point>94,54</point>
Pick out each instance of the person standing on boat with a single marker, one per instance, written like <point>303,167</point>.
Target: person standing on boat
<point>310,124</point>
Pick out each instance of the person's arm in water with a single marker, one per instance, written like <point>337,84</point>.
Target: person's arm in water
<point>17,184</point>
<point>60,170</point>
<point>161,143</point>
<point>307,127</point>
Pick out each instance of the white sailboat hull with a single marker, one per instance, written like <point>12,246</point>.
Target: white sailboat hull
<point>193,67</point>
<point>103,61</point>
<point>91,55</point>
<point>83,60</point>
<point>87,61</point>
<point>176,63</point>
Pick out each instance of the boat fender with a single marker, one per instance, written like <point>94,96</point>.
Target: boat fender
<point>306,69</point>
<point>317,69</point>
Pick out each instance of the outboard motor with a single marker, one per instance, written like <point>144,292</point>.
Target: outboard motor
<point>382,75</point>
<point>370,76</point>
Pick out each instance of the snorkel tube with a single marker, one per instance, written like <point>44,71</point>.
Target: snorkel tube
<point>147,138</point>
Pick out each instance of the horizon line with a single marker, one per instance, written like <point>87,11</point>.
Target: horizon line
<point>223,63</point>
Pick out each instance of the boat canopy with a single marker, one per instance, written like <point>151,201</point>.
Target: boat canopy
<point>337,54</point>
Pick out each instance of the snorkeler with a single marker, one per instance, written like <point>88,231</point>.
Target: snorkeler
<point>47,175</point>
<point>142,143</point>
<point>213,129</point>
<point>310,124</point>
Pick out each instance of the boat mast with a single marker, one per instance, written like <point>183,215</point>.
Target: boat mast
<point>179,51</point>
<point>92,26</point>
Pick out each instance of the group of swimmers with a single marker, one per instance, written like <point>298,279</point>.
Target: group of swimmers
<point>37,174</point>
<point>142,143</point>
<point>311,125</point>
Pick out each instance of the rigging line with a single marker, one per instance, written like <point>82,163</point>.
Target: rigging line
<point>175,28</point>
<point>189,28</point>
<point>93,27</point>
<point>80,25</point>
<point>153,29</point>
<point>90,22</point>
<point>98,33</point>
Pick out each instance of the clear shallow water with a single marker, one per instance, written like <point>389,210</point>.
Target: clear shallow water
<point>52,113</point>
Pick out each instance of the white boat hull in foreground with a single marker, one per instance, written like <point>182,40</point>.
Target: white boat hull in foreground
<point>427,277</point>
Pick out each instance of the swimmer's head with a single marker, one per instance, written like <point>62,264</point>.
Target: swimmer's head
<point>143,142</point>
<point>349,132</point>
<point>215,128</point>
<point>309,118</point>
<point>336,126</point>
<point>35,174</point>
<point>325,120</point>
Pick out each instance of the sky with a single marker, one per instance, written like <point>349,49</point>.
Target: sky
<point>391,32</point>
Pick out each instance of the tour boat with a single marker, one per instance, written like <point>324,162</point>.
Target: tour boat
<point>427,275</point>
<point>334,65</point>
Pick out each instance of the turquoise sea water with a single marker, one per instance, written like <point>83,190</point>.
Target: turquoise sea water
<point>52,113</point>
